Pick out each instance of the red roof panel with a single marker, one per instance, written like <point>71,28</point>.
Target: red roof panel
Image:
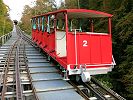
<point>80,13</point>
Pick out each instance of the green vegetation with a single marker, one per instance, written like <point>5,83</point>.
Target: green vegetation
<point>121,78</point>
<point>5,22</point>
<point>42,6</point>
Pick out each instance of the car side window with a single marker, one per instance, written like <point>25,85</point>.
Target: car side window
<point>34,23</point>
<point>43,27</point>
<point>38,22</point>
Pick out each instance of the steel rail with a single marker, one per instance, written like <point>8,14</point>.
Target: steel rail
<point>29,40</point>
<point>96,93</point>
<point>84,95</point>
<point>25,59</point>
<point>108,90</point>
<point>28,71</point>
<point>19,94</point>
<point>26,38</point>
<point>19,32</point>
<point>5,70</point>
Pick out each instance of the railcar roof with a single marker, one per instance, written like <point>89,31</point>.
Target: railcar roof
<point>78,13</point>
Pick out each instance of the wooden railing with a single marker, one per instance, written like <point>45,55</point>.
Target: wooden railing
<point>4,38</point>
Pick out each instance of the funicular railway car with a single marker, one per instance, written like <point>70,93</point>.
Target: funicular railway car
<point>71,37</point>
<point>15,22</point>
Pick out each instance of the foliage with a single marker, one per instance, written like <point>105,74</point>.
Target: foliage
<point>123,29</point>
<point>71,4</point>
<point>41,7</point>
<point>5,22</point>
<point>25,23</point>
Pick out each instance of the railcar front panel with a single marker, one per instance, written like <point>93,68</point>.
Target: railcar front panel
<point>89,49</point>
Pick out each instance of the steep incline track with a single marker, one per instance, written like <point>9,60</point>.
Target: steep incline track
<point>94,87</point>
<point>27,74</point>
<point>30,75</point>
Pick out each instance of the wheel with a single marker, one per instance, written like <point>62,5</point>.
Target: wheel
<point>85,77</point>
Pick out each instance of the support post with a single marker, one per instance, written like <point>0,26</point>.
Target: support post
<point>109,26</point>
<point>66,25</point>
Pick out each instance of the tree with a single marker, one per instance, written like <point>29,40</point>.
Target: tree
<point>41,7</point>
<point>5,22</point>
<point>71,4</point>
<point>123,33</point>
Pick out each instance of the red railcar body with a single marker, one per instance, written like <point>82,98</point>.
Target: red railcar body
<point>77,51</point>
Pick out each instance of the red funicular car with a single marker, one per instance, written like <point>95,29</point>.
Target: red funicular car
<point>73,38</point>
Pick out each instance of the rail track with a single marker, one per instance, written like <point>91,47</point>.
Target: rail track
<point>103,93</point>
<point>33,77</point>
<point>4,75</point>
<point>94,90</point>
<point>27,74</point>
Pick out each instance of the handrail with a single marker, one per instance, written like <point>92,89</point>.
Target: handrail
<point>4,38</point>
<point>5,34</point>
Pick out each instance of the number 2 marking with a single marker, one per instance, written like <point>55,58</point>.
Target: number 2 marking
<point>85,43</point>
